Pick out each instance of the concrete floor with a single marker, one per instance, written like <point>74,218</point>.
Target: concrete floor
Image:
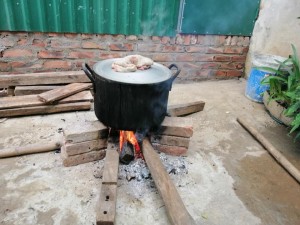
<point>231,179</point>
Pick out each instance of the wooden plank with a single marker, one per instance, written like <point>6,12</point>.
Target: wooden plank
<point>185,109</point>
<point>64,77</point>
<point>81,158</point>
<point>111,165</point>
<point>87,131</point>
<point>106,206</point>
<point>171,150</point>
<point>170,140</point>
<point>33,90</point>
<point>87,146</point>
<point>175,208</point>
<point>106,210</point>
<point>176,126</point>
<point>63,92</point>
<point>41,110</point>
<point>32,100</point>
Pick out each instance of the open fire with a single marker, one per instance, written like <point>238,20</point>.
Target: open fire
<point>129,146</point>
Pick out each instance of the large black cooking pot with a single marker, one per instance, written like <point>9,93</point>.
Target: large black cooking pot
<point>134,100</point>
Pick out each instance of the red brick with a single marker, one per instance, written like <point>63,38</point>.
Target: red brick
<point>199,49</point>
<point>234,73</point>
<point>165,40</point>
<point>210,65</point>
<point>185,58</point>
<point>172,48</point>
<point>57,64</point>
<point>7,42</point>
<point>4,66</point>
<point>156,39</point>
<point>149,47</point>
<point>187,40</point>
<point>17,64</point>
<point>214,50</point>
<point>191,66</point>
<point>245,50</point>
<point>221,40</point>
<point>38,43</point>
<point>222,73</point>
<point>238,58</point>
<point>86,36</point>
<point>234,40</point>
<point>90,44</point>
<point>193,39</point>
<point>51,54</point>
<point>63,43</point>
<point>71,35</point>
<point>204,73</point>
<point>14,53</point>
<point>81,55</point>
<point>22,41</point>
<point>246,41</point>
<point>54,34</point>
<point>232,65</point>
<point>221,58</point>
<point>111,55</point>
<point>227,40</point>
<point>200,39</point>
<point>121,47</point>
<point>179,39</point>
<point>204,58</point>
<point>233,50</point>
<point>20,34</point>
<point>172,40</point>
<point>162,58</point>
<point>131,38</point>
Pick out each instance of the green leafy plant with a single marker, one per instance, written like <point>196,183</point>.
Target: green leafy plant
<point>284,85</point>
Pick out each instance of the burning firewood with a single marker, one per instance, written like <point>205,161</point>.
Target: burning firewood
<point>132,63</point>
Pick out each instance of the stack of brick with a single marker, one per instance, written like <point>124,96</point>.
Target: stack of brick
<point>87,142</point>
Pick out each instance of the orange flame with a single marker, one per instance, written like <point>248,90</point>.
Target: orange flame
<point>130,137</point>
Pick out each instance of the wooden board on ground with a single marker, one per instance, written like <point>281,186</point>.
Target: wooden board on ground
<point>185,109</point>
<point>65,77</point>
<point>170,140</point>
<point>175,208</point>
<point>111,164</point>
<point>177,126</point>
<point>83,147</point>
<point>63,92</point>
<point>33,90</point>
<point>106,210</point>
<point>87,131</point>
<point>171,150</point>
<point>32,100</point>
<point>48,109</point>
<point>81,158</point>
<point>106,206</point>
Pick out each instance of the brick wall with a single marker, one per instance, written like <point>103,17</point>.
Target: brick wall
<point>200,57</point>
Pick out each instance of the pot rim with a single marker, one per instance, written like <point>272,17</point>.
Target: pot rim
<point>157,73</point>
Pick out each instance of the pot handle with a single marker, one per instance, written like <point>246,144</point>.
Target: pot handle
<point>90,73</point>
<point>176,73</point>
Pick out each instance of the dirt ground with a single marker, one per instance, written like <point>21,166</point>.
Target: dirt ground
<point>230,178</point>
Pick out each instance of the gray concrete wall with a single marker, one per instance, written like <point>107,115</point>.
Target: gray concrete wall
<point>276,28</point>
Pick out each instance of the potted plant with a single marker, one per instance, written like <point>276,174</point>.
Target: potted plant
<point>284,90</point>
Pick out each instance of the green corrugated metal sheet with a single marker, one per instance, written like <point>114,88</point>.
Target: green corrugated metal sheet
<point>148,17</point>
<point>231,17</point>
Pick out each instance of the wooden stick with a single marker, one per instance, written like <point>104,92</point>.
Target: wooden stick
<point>29,149</point>
<point>177,213</point>
<point>185,109</point>
<point>271,149</point>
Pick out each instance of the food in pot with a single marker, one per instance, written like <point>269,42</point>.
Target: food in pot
<point>132,63</point>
